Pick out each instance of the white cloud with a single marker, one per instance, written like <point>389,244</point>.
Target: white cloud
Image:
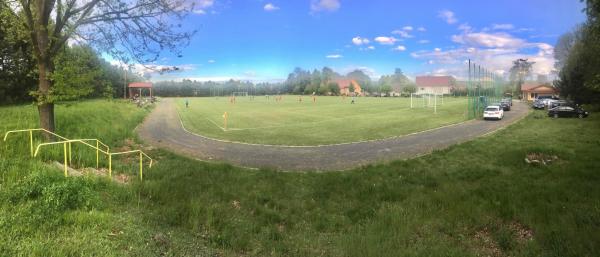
<point>270,7</point>
<point>334,56</point>
<point>495,51</point>
<point>324,5</point>
<point>423,41</point>
<point>437,49</point>
<point>448,16</point>
<point>152,68</point>
<point>505,26</point>
<point>368,48</point>
<point>408,28</point>
<point>402,33</point>
<point>386,40</point>
<point>489,40</point>
<point>202,5</point>
<point>211,61</point>
<point>421,29</point>
<point>465,27</point>
<point>360,41</point>
<point>400,48</point>
<point>249,73</point>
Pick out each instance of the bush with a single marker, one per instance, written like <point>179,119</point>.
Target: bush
<point>48,195</point>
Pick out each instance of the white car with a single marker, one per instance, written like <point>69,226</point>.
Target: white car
<point>493,112</point>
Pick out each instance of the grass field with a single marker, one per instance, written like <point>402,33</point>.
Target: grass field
<point>474,199</point>
<point>329,120</point>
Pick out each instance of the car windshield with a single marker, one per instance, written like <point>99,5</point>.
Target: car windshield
<point>491,109</point>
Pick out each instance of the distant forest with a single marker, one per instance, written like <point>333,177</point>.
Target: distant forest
<point>321,82</point>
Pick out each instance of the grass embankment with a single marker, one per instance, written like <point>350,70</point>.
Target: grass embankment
<point>477,198</point>
<point>329,120</point>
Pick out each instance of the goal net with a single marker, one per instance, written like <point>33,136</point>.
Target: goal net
<point>236,94</point>
<point>426,100</point>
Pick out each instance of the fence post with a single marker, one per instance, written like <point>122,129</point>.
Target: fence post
<point>110,165</point>
<point>141,167</point>
<point>31,142</point>
<point>65,154</point>
<point>97,153</point>
<point>70,156</point>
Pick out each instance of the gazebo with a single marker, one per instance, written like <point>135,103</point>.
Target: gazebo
<point>139,86</point>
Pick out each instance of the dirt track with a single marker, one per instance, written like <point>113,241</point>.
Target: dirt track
<point>163,128</point>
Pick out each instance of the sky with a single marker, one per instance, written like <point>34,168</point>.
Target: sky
<point>265,40</point>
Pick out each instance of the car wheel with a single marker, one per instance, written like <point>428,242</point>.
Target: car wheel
<point>555,115</point>
<point>580,116</point>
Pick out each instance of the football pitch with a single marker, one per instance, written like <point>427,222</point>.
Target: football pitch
<point>328,120</point>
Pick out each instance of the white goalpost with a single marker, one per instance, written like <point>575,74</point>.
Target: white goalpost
<point>428,100</point>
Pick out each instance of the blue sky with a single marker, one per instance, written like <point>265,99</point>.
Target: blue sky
<point>264,40</point>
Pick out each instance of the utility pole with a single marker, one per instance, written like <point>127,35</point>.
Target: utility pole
<point>125,84</point>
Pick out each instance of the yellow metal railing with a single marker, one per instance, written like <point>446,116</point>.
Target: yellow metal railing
<point>67,149</point>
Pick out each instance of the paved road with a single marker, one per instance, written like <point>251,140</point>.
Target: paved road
<point>163,128</point>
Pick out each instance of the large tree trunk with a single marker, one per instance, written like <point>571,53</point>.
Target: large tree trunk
<point>45,109</point>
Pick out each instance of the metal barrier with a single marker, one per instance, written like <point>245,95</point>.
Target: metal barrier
<point>67,149</point>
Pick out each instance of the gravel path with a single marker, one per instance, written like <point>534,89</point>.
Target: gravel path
<point>163,128</point>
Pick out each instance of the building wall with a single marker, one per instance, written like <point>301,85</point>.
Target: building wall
<point>433,90</point>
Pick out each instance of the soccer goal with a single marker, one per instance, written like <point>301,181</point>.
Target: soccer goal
<point>426,101</point>
<point>236,94</point>
<point>418,100</point>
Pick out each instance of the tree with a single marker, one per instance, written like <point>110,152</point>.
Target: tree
<point>578,54</point>
<point>520,70</point>
<point>135,30</point>
<point>76,74</point>
<point>361,78</point>
<point>563,46</point>
<point>17,64</point>
<point>410,89</point>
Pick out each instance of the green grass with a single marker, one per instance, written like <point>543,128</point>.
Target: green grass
<point>473,199</point>
<point>329,120</point>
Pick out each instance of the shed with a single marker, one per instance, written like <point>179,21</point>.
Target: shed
<point>139,86</point>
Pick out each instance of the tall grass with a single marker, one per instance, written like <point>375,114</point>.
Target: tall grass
<point>479,198</point>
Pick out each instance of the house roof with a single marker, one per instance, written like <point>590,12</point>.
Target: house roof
<point>140,85</point>
<point>529,85</point>
<point>540,89</point>
<point>434,81</point>
<point>345,83</point>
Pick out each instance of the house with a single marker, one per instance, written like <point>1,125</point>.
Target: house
<point>435,84</point>
<point>531,90</point>
<point>344,85</point>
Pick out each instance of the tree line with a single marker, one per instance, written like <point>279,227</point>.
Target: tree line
<point>577,55</point>
<point>299,81</point>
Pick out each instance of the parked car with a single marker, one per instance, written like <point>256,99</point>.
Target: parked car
<point>555,103</point>
<point>493,112</point>
<point>567,111</point>
<point>505,104</point>
<point>538,104</point>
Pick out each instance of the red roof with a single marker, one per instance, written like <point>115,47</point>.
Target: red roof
<point>434,81</point>
<point>140,85</point>
<point>345,83</point>
<point>539,89</point>
<point>529,85</point>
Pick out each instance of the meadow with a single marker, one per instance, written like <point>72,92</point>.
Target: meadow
<point>479,198</point>
<point>328,120</point>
